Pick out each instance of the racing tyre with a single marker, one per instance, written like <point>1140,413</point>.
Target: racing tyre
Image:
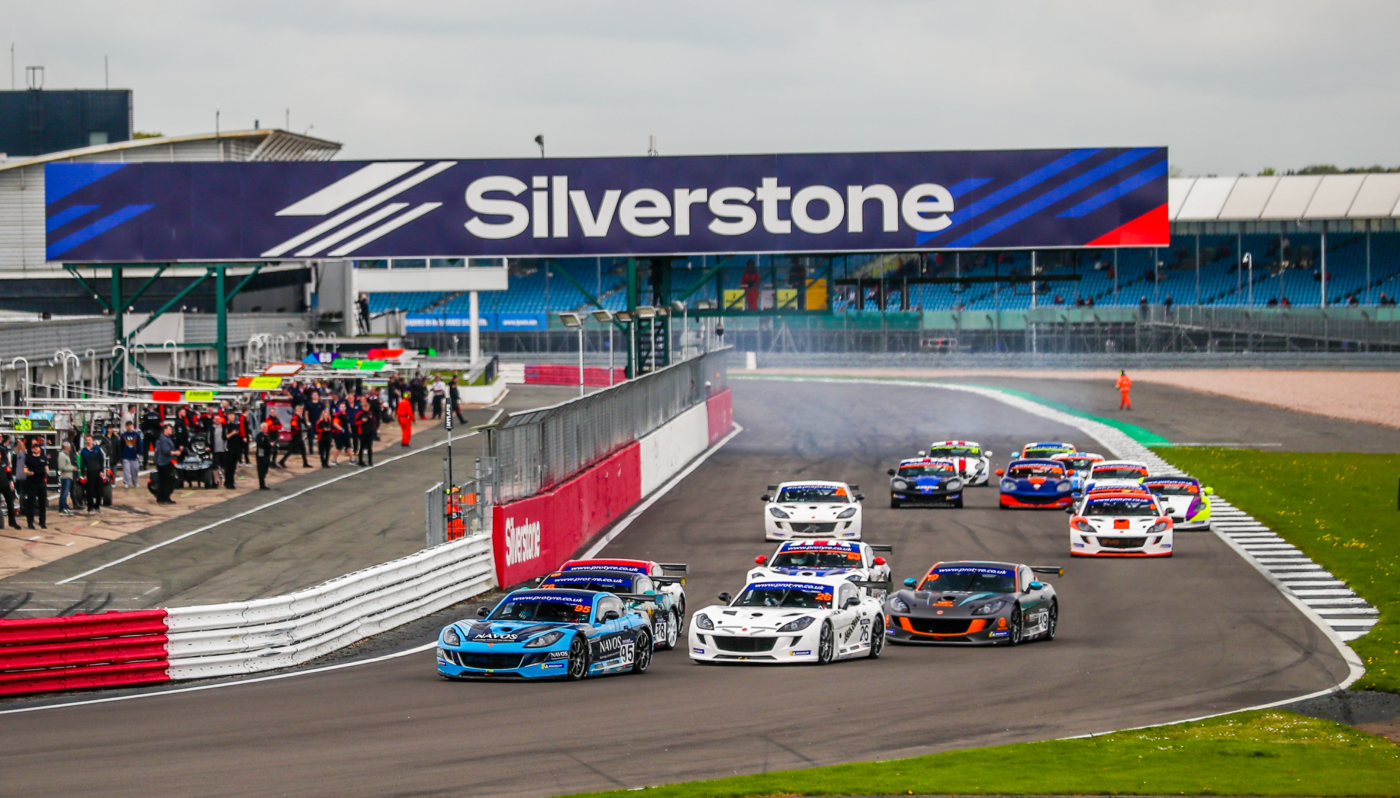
<point>877,639</point>
<point>826,645</point>
<point>672,634</point>
<point>1054,620</point>
<point>957,505</point>
<point>894,504</point>
<point>578,658</point>
<point>209,481</point>
<point>107,495</point>
<point>641,659</point>
<point>1016,625</point>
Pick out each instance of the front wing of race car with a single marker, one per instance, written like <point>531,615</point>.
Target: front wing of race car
<point>496,660</point>
<point>1121,544</point>
<point>756,644</point>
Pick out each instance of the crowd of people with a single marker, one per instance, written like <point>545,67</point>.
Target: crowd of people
<point>327,420</point>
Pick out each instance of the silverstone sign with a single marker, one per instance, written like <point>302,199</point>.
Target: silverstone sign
<point>171,212</point>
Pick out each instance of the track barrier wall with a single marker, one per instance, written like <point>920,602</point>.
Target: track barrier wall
<point>558,374</point>
<point>720,407</point>
<point>82,651</point>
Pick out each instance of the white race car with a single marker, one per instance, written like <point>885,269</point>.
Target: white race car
<point>1116,474</point>
<point>1127,524</point>
<point>812,510</point>
<point>852,560</point>
<point>974,464</point>
<point>793,619</point>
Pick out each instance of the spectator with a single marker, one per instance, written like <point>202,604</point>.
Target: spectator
<point>1272,303</point>
<point>439,393</point>
<point>92,461</point>
<point>1089,302</point>
<point>131,450</point>
<point>1352,301</point>
<point>454,396</point>
<point>1059,300</point>
<point>65,478</point>
<point>36,486</point>
<point>1168,302</point>
<point>166,452</point>
<point>1286,303</point>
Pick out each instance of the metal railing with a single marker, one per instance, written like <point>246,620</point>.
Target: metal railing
<point>541,448</point>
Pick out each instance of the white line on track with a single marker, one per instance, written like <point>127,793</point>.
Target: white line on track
<point>272,503</point>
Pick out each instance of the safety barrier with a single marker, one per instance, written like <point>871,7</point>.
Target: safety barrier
<point>720,407</point>
<point>556,374</point>
<point>82,651</point>
<point>266,634</point>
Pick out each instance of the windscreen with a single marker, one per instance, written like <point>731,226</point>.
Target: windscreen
<point>800,595</point>
<point>813,494</point>
<point>954,451</point>
<point>1174,489</point>
<point>1077,463</point>
<point>606,583</point>
<point>544,608</point>
<point>927,470</point>
<point>816,559</point>
<point>1025,470</point>
<point>1119,472</point>
<point>970,579</point>
<point>1131,507</point>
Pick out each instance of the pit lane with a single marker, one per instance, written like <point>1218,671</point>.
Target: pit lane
<point>1140,642</point>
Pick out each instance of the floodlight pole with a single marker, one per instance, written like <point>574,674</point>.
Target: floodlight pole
<point>612,353</point>
<point>580,355</point>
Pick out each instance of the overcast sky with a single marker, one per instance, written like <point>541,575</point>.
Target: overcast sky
<point>1230,86</point>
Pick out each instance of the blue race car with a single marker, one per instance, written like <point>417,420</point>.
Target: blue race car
<point>1035,484</point>
<point>1042,450</point>
<point>551,633</point>
<point>926,480</point>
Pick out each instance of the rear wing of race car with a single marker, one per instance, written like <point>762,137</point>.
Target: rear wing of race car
<point>772,487</point>
<point>880,547</point>
<point>1057,570</point>
<point>887,585</point>
<point>675,566</point>
<point>640,597</point>
<point>668,580</point>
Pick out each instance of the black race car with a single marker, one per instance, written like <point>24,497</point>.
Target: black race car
<point>976,603</point>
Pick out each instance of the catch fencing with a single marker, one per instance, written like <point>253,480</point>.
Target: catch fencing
<point>539,449</point>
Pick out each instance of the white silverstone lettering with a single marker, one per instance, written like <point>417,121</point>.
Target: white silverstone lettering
<point>644,203</point>
<point>768,195</point>
<point>595,226</point>
<point>835,209</point>
<point>539,206</point>
<point>477,202</point>
<point>559,193</point>
<point>927,198</point>
<point>855,207</point>
<point>732,203</point>
<point>685,197</point>
<point>522,542</point>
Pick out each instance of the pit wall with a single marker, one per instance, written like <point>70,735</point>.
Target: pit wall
<point>534,536</point>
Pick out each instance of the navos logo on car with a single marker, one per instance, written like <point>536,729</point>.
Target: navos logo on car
<point>522,541</point>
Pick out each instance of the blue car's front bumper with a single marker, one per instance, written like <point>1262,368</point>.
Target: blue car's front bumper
<point>499,661</point>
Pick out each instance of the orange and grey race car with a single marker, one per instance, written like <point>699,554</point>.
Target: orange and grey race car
<point>974,603</point>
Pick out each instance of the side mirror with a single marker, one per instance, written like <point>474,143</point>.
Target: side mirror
<point>1070,509</point>
<point>761,559</point>
<point>765,497</point>
<point>725,597</point>
<point>879,560</point>
<point>1209,491</point>
<point>1001,472</point>
<point>890,471</point>
<point>988,453</point>
<point>853,601</point>
<point>860,497</point>
<point>611,615</point>
<point>923,454</point>
<point>1036,585</point>
<point>482,612</point>
<point>910,582</point>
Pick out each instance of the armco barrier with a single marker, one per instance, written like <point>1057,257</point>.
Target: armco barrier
<point>251,636</point>
<point>720,407</point>
<point>82,651</point>
<point>533,536</point>
<point>556,374</point>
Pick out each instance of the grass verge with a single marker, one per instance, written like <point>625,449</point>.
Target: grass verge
<point>1250,753</point>
<point>1340,510</point>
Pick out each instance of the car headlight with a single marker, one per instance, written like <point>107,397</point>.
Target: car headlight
<point>1083,526</point>
<point>898,604</point>
<point>1008,484</point>
<point>451,638</point>
<point>954,484</point>
<point>1160,526</point>
<point>546,639</point>
<point>847,513</point>
<point>989,608</point>
<point>1065,486</point>
<point>777,513</point>
<point>797,625</point>
<point>899,484</point>
<point>703,622</point>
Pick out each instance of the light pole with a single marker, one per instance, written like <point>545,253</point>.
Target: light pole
<point>626,317</point>
<point>574,321</point>
<point>1249,261</point>
<point>606,317</point>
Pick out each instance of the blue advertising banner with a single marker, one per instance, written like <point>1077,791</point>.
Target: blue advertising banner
<point>169,212</point>
<point>461,322</point>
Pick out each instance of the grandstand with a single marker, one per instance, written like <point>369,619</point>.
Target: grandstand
<point>1282,224</point>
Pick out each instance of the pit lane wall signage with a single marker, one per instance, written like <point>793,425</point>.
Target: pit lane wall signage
<point>166,212</point>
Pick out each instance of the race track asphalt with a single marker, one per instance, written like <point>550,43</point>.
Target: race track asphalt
<point>1140,642</point>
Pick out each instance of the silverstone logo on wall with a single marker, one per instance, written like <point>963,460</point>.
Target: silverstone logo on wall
<point>164,212</point>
